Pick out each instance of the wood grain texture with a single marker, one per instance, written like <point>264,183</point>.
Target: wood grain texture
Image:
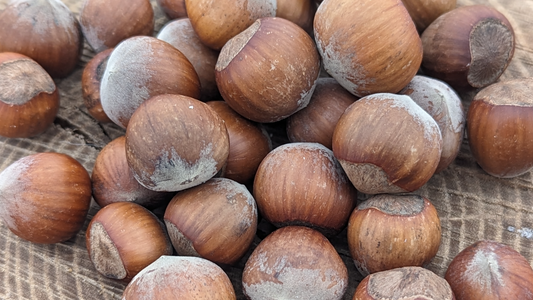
<point>472,205</point>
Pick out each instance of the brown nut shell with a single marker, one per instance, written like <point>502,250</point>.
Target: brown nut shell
<point>113,180</point>
<point>470,46</point>
<point>46,31</point>
<point>424,12</point>
<point>216,220</point>
<point>90,84</point>
<point>441,102</point>
<point>248,143</point>
<point>295,262</point>
<point>216,22</point>
<point>107,23</point>
<point>500,128</point>
<point>123,238</point>
<point>189,277</point>
<point>174,9</point>
<point>368,46</point>
<point>175,142</point>
<point>392,231</point>
<point>316,122</point>
<point>45,197</point>
<point>268,72</point>
<point>140,68</point>
<point>490,270</point>
<point>303,184</point>
<point>407,283</point>
<point>300,12</point>
<point>386,143</point>
<point>29,99</point>
<point>180,34</point>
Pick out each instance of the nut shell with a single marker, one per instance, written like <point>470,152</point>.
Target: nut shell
<point>424,12</point>
<point>175,142</point>
<point>46,31</point>
<point>45,197</point>
<point>90,84</point>
<point>29,99</point>
<point>174,9</point>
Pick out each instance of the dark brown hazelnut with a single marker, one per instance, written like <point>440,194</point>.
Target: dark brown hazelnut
<point>175,142</point>
<point>424,12</point>
<point>45,197</point>
<point>300,12</point>
<point>123,238</point>
<point>392,231</point>
<point>490,270</point>
<point>268,72</point>
<point>44,30</point>
<point>470,46</point>
<point>90,84</point>
<point>174,9</point>
<point>29,99</point>
<point>295,262</point>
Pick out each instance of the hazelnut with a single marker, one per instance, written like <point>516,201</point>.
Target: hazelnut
<point>123,238</point>
<point>376,49</point>
<point>216,220</point>
<point>386,143</point>
<point>268,72</point>
<point>300,12</point>
<point>295,262</point>
<point>424,12</point>
<point>216,22</point>
<point>44,30</point>
<point>470,46</point>
<point>490,270</point>
<point>392,231</point>
<point>404,283</point>
<point>29,100</point>
<point>180,34</point>
<point>140,68</point>
<point>303,184</point>
<point>173,9</point>
<point>90,83</point>
<point>113,180</point>
<point>175,142</point>
<point>317,121</point>
<point>248,143</point>
<point>186,277</point>
<point>500,128</point>
<point>106,23</point>
<point>441,102</point>
<point>45,197</point>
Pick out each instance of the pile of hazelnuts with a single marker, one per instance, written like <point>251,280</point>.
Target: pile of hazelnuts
<point>367,92</point>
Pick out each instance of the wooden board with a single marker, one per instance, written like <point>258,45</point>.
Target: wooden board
<point>471,204</point>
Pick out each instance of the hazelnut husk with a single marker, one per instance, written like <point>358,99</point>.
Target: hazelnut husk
<point>140,68</point>
<point>106,23</point>
<point>173,9</point>
<point>45,197</point>
<point>500,128</point>
<point>268,72</point>
<point>44,30</point>
<point>113,180</point>
<point>249,143</point>
<point>468,47</point>
<point>490,270</point>
<point>29,99</point>
<point>404,283</point>
<point>303,184</point>
<point>386,143</point>
<point>175,142</point>
<point>295,262</point>
<point>316,122</point>
<point>216,22</point>
<point>123,238</point>
<point>375,50</point>
<point>216,220</point>
<point>180,34</point>
<point>392,231</point>
<point>90,84</point>
<point>191,277</point>
<point>441,102</point>
<point>424,12</point>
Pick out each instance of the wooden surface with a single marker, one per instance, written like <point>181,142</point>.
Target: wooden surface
<point>471,204</point>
